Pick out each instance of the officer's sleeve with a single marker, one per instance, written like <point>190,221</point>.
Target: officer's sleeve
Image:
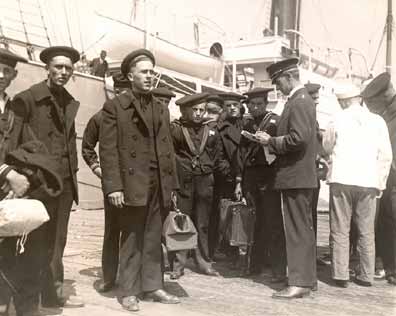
<point>299,132</point>
<point>89,141</point>
<point>108,150</point>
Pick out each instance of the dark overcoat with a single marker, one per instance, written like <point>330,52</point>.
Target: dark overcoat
<point>296,144</point>
<point>124,149</point>
<point>39,110</point>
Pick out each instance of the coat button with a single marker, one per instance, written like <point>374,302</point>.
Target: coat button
<point>133,154</point>
<point>131,171</point>
<point>134,137</point>
<point>168,155</point>
<point>164,139</point>
<point>170,171</point>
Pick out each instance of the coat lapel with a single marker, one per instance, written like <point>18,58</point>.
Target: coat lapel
<point>70,114</point>
<point>158,112</point>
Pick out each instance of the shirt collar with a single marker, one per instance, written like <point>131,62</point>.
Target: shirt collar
<point>294,90</point>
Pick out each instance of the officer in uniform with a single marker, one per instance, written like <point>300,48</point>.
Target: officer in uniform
<point>295,147</point>
<point>138,176</point>
<point>380,97</point>
<point>255,179</point>
<point>198,150</point>
<point>49,111</point>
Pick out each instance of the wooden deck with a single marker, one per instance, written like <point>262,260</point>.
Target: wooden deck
<point>227,295</point>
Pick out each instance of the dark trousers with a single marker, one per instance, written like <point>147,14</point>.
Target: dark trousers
<point>111,244</point>
<point>140,247</point>
<point>300,237</point>
<point>386,231</point>
<point>315,199</point>
<point>199,194</point>
<point>56,237</point>
<point>20,273</point>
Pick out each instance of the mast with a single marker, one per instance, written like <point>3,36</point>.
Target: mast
<point>389,25</point>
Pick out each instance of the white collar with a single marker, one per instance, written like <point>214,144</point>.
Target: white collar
<point>294,90</point>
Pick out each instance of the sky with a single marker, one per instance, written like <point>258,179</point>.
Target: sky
<point>334,24</point>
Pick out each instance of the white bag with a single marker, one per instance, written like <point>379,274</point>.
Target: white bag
<point>18,217</point>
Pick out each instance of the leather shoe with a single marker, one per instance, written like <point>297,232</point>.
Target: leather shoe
<point>341,283</point>
<point>391,280</point>
<point>362,283</point>
<point>174,275</point>
<point>292,292</point>
<point>161,296</point>
<point>105,287</point>
<point>314,287</point>
<point>130,303</point>
<point>65,302</point>
<point>210,271</point>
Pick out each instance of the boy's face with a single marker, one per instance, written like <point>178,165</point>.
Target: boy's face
<point>7,74</point>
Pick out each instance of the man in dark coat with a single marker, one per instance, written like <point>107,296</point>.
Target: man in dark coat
<point>256,179</point>
<point>48,110</point>
<point>380,97</point>
<point>138,176</point>
<point>197,147</point>
<point>295,147</point>
<point>99,65</point>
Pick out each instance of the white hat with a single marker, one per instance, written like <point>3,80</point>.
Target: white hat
<point>347,92</point>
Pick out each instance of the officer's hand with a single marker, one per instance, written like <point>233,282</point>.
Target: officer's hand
<point>238,192</point>
<point>19,184</point>
<point>262,137</point>
<point>98,172</point>
<point>116,198</point>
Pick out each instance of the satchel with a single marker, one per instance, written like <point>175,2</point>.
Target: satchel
<point>179,232</point>
<point>18,217</point>
<point>237,222</point>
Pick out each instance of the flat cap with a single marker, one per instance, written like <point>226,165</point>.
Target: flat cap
<point>347,92</point>
<point>50,52</point>
<point>190,100</point>
<point>231,96</point>
<point>377,85</point>
<point>10,59</point>
<point>312,87</point>
<point>120,81</point>
<point>258,92</point>
<point>126,62</point>
<point>163,92</point>
<point>214,98</point>
<point>276,69</point>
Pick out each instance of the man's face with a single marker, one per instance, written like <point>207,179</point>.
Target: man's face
<point>283,84</point>
<point>7,74</point>
<point>315,97</point>
<point>59,69</point>
<point>232,108</point>
<point>103,54</point>
<point>257,106</point>
<point>196,112</point>
<point>142,75</point>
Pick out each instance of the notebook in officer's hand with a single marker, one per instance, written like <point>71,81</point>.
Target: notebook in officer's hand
<point>250,136</point>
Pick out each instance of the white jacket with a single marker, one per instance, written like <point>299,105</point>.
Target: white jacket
<point>359,148</point>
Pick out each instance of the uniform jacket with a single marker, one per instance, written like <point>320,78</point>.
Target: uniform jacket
<point>296,143</point>
<point>230,136</point>
<point>124,149</point>
<point>390,118</point>
<point>90,139</point>
<point>39,111</point>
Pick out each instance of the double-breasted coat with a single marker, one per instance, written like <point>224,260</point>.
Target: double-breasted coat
<point>124,149</point>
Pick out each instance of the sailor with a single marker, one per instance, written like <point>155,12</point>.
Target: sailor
<point>229,127</point>
<point>255,178</point>
<point>49,110</point>
<point>295,147</point>
<point>198,150</point>
<point>214,107</point>
<point>380,97</point>
<point>163,94</point>
<point>111,236</point>
<point>138,176</point>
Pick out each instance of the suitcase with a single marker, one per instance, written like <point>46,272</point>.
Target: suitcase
<point>237,222</point>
